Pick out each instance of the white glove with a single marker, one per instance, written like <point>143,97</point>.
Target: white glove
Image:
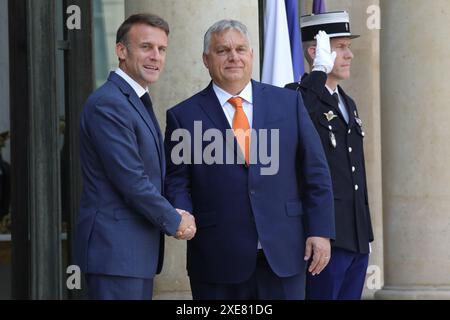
<point>324,59</point>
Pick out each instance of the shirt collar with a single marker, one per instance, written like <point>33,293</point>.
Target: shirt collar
<point>140,91</point>
<point>331,91</point>
<point>223,96</point>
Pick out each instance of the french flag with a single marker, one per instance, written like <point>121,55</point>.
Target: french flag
<point>283,56</point>
<point>319,6</point>
<point>283,53</point>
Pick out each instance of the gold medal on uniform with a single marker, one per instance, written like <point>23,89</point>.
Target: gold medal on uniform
<point>330,115</point>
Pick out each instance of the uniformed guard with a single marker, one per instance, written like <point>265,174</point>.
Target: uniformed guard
<point>326,44</point>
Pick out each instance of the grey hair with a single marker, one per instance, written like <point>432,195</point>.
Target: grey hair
<point>221,26</point>
<point>306,45</point>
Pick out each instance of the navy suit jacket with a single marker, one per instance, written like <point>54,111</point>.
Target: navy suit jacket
<point>122,212</point>
<point>235,206</point>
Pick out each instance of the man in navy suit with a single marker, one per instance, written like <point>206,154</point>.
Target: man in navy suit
<point>123,216</point>
<point>336,119</point>
<point>259,222</point>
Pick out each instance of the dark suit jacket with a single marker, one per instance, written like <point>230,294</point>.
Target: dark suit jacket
<point>122,211</point>
<point>353,224</point>
<point>234,205</point>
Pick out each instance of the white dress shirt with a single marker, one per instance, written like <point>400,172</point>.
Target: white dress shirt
<point>247,102</point>
<point>140,91</point>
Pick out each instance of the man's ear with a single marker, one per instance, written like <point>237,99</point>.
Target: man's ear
<point>205,60</point>
<point>121,51</point>
<point>312,52</point>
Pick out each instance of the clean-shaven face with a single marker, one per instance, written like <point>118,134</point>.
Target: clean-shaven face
<point>229,59</point>
<point>144,56</point>
<point>344,56</point>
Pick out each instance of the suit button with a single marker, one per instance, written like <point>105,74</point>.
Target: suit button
<point>252,192</point>
<point>353,169</point>
<point>349,131</point>
<point>350,149</point>
<point>356,187</point>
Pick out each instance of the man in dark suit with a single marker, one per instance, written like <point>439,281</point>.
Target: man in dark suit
<point>258,221</point>
<point>123,216</point>
<point>336,119</point>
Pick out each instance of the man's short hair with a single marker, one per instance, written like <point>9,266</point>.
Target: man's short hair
<point>223,25</point>
<point>149,19</point>
<point>306,45</point>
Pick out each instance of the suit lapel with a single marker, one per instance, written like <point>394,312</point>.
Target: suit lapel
<point>212,108</point>
<point>142,110</point>
<point>259,106</point>
<point>261,109</point>
<point>327,98</point>
<point>324,95</point>
<point>137,104</point>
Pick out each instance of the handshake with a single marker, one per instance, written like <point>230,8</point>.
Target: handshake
<point>187,228</point>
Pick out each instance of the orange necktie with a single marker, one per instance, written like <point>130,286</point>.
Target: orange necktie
<point>241,127</point>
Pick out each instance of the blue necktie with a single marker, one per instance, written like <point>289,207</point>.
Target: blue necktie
<point>341,107</point>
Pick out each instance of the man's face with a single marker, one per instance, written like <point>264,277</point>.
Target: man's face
<point>144,56</point>
<point>229,60</point>
<point>344,56</point>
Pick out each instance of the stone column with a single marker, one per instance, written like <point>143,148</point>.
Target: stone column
<point>416,149</point>
<point>364,87</point>
<point>183,76</point>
